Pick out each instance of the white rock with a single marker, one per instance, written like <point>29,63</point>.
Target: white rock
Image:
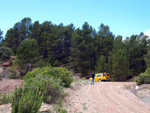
<point>137,87</point>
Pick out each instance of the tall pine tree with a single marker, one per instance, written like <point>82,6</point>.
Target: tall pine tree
<point>82,49</point>
<point>120,65</point>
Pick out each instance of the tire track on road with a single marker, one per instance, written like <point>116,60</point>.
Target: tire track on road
<point>107,97</point>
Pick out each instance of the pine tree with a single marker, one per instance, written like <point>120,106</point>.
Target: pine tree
<point>101,64</point>
<point>106,40</point>
<point>55,46</point>
<point>120,65</point>
<point>24,30</point>
<point>28,54</point>
<point>147,59</point>
<point>12,39</point>
<point>137,47</point>
<point>1,37</point>
<point>45,29</point>
<point>66,41</point>
<point>82,49</point>
<point>35,31</point>
<point>17,34</point>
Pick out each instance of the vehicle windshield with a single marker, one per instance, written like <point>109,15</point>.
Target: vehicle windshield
<point>99,75</point>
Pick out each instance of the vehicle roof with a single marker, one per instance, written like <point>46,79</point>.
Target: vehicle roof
<point>98,73</point>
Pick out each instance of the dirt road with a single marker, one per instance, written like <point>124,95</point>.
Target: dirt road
<point>105,97</point>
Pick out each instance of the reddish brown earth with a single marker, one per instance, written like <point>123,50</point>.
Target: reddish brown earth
<point>8,85</point>
<point>105,97</point>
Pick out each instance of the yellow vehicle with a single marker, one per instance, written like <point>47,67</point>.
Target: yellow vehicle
<point>101,76</point>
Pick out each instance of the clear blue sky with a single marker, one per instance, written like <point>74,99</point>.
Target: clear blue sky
<point>124,17</point>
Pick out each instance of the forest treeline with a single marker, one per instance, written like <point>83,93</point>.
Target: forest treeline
<point>83,49</point>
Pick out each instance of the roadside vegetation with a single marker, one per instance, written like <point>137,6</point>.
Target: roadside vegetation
<point>144,78</point>
<point>5,53</point>
<point>5,98</point>
<point>46,52</point>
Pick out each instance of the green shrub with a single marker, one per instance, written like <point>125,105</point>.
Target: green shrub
<point>5,98</point>
<point>5,53</point>
<point>144,77</point>
<point>26,99</point>
<point>48,86</point>
<point>42,63</point>
<point>62,110</point>
<point>56,72</point>
<point>28,51</point>
<point>56,63</point>
<point>13,73</point>
<point>57,109</point>
<point>139,82</point>
<point>17,63</point>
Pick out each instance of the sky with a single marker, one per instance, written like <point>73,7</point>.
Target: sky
<point>124,17</point>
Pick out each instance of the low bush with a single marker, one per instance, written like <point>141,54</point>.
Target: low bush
<point>144,78</point>
<point>56,72</point>
<point>16,63</point>
<point>42,63</point>
<point>26,99</point>
<point>139,82</point>
<point>48,86</point>
<point>5,53</point>
<point>5,98</point>
<point>62,110</point>
<point>13,73</point>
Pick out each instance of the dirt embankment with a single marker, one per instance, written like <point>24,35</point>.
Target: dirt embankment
<point>105,97</point>
<point>8,85</point>
<point>142,91</point>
